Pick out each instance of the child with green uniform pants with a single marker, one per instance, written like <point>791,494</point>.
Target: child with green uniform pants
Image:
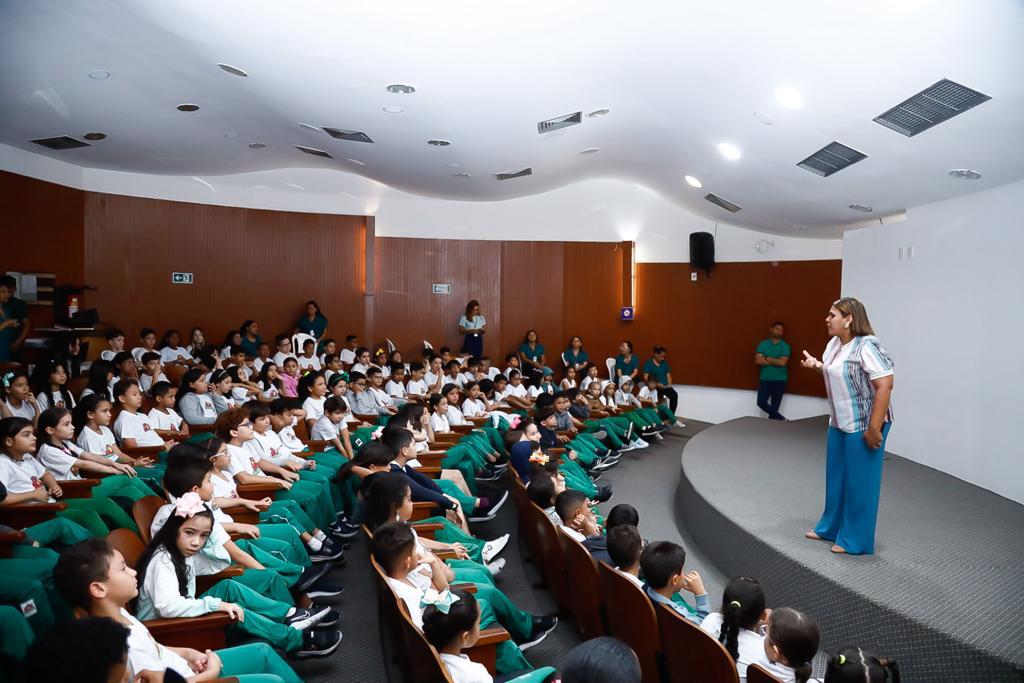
<point>95,578</point>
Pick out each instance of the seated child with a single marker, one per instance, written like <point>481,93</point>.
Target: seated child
<point>194,401</point>
<point>167,573</point>
<point>416,388</point>
<point>621,514</point>
<point>93,417</point>
<point>854,665</point>
<point>662,566</point>
<point>93,577</point>
<point>165,420</point>
<point>151,373</point>
<point>115,344</point>
<point>132,427</point>
<point>790,642</point>
<point>308,359</point>
<point>576,518</point>
<point>740,624</point>
<point>624,548</point>
<point>395,387</point>
<point>313,394</point>
<point>375,387</point>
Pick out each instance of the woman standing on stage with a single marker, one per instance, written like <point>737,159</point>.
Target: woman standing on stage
<point>473,325</point>
<point>858,380</point>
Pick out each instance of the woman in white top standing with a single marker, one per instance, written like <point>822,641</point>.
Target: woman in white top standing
<point>858,374</point>
<point>473,326</point>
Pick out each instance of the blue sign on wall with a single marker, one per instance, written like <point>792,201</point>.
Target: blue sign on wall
<point>627,313</point>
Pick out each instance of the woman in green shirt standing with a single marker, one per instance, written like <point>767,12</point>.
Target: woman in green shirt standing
<point>531,356</point>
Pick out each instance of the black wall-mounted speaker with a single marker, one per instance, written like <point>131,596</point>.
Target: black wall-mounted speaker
<point>702,251</point>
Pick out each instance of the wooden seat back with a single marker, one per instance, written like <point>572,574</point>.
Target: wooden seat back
<point>758,674</point>
<point>584,587</point>
<point>549,555</point>
<point>691,653</point>
<point>631,619</point>
<point>174,373</point>
<point>144,511</point>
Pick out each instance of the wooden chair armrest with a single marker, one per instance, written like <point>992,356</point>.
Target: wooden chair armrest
<point>556,451</point>
<point>315,446</point>
<point>8,539</point>
<point>423,510</point>
<point>206,581</point>
<point>78,488</point>
<point>485,650</point>
<point>244,516</point>
<point>468,587</point>
<point>201,633</point>
<point>199,429</point>
<point>258,491</point>
<point>372,419</point>
<point>463,429</point>
<point>430,460</point>
<point>427,529</point>
<point>432,472</point>
<point>479,421</point>
<point>141,451</point>
<point>446,554</point>
<point>21,515</point>
<point>445,437</point>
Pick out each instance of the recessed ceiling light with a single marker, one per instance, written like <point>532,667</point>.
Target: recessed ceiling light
<point>964,174</point>
<point>401,89</point>
<point>591,150</point>
<point>729,151</point>
<point>188,107</point>
<point>357,162</point>
<point>257,145</point>
<point>233,70</point>
<point>460,174</point>
<point>763,118</point>
<point>862,208</point>
<point>311,127</point>
<point>95,136</point>
<point>392,109</point>
<point>231,136</point>
<point>439,143</point>
<point>599,112</point>
<point>693,182</point>
<point>99,74</point>
<point>789,97</point>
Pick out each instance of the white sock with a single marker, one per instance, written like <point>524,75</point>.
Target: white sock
<point>320,536</point>
<point>315,544</point>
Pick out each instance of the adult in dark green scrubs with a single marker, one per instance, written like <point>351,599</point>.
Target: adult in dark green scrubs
<point>14,324</point>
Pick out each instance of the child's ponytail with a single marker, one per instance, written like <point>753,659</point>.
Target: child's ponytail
<point>455,613</point>
<point>854,665</point>
<point>743,605</point>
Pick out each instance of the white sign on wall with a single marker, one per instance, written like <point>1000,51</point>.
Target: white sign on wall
<point>437,288</point>
<point>181,278</point>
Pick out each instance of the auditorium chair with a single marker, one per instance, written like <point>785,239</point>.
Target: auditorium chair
<point>194,429</point>
<point>8,539</point>
<point>418,658</point>
<point>692,654</point>
<point>610,364</point>
<point>631,619</point>
<point>758,674</point>
<point>202,633</point>
<point>549,556</point>
<point>584,587</point>
<point>78,488</point>
<point>23,515</point>
<point>76,385</point>
<point>522,503</point>
<point>175,372</point>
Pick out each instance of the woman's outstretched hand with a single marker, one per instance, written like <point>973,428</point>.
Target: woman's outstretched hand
<point>811,362</point>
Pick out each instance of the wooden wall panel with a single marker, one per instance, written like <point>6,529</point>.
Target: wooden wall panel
<point>247,263</point>
<point>405,309</point>
<point>42,232</point>
<point>532,296</point>
<point>593,290</point>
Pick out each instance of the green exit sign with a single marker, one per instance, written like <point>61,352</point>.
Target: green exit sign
<point>181,278</point>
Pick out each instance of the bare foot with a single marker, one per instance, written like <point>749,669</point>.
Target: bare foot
<point>813,536</point>
<point>838,549</point>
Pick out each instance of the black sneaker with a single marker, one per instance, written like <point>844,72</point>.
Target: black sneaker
<point>310,576</point>
<point>306,618</point>
<point>594,476</point>
<point>604,494</point>
<point>602,465</point>
<point>488,474</point>
<point>542,626</point>
<point>486,514</point>
<point>325,589</point>
<point>328,551</point>
<point>343,530</point>
<point>330,620</point>
<point>318,644</point>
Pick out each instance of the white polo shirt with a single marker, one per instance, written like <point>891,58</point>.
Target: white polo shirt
<point>21,476</point>
<point>100,443</point>
<point>136,426</point>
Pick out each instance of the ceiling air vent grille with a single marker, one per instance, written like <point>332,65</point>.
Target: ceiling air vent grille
<point>559,122</point>
<point>61,142</point>
<point>725,204</point>
<point>930,107</point>
<point>831,158</point>
<point>314,151</point>
<point>514,174</point>
<point>350,135</point>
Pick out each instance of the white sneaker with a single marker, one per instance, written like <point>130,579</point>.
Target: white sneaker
<point>680,423</point>
<point>495,567</point>
<point>640,443</point>
<point>492,548</point>
<point>627,447</point>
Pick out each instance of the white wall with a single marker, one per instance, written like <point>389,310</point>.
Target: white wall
<point>602,210</point>
<point>951,314</point>
<point>712,404</point>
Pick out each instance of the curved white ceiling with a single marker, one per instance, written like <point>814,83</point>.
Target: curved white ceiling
<point>677,77</point>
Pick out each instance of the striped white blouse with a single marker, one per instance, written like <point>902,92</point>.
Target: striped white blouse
<point>848,371</point>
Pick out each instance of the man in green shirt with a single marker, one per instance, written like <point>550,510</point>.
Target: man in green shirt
<point>772,356</point>
<point>13,319</point>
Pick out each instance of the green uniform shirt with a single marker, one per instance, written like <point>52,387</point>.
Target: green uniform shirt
<point>658,370</point>
<point>774,373</point>
<point>15,309</point>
